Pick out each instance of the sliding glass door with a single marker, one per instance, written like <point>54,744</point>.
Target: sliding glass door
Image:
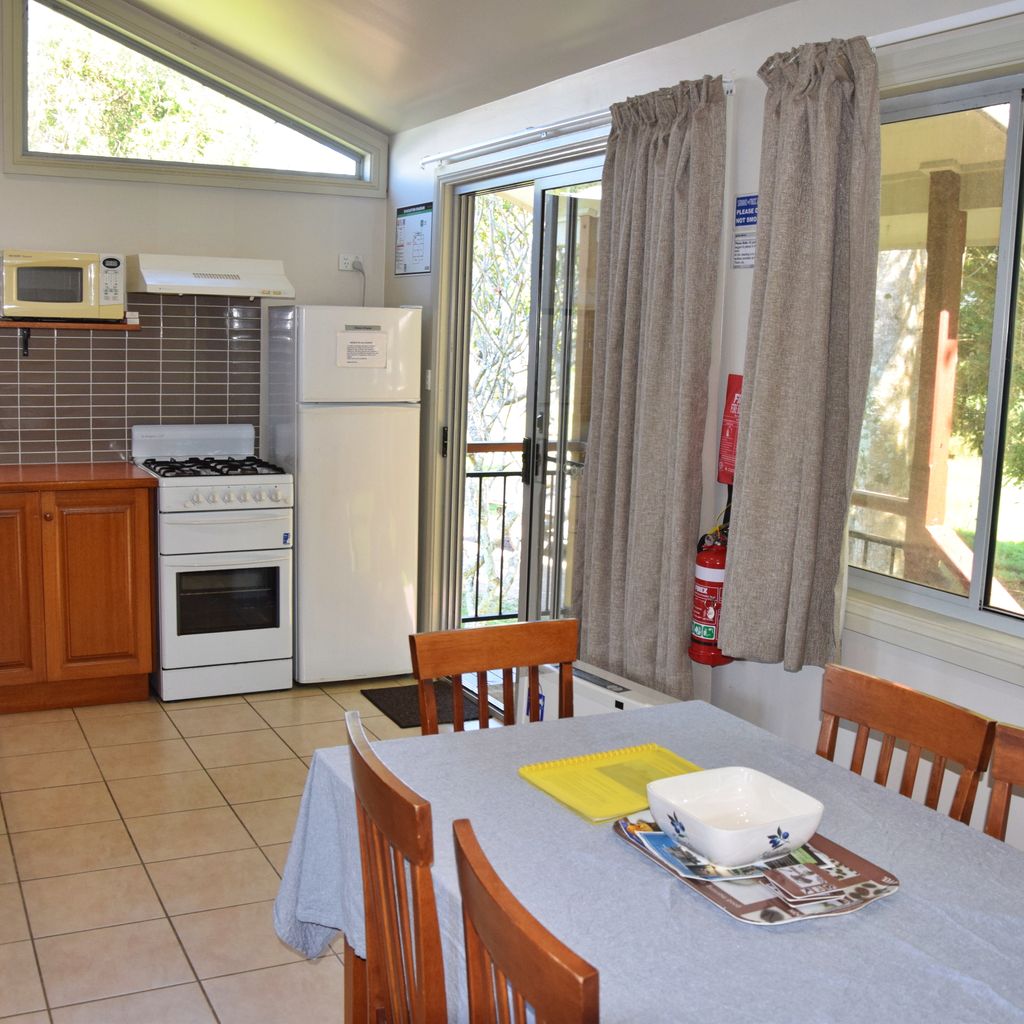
<point>521,338</point>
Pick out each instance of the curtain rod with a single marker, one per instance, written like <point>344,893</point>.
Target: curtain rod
<point>567,126</point>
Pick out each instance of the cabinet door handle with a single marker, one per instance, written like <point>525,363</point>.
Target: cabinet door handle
<point>48,516</point>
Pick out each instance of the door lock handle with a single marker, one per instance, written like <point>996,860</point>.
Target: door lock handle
<point>527,459</point>
<point>48,516</point>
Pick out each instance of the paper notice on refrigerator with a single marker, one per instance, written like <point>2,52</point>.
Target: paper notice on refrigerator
<point>363,349</point>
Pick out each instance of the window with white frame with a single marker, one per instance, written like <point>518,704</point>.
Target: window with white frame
<point>96,100</point>
<point>937,516</point>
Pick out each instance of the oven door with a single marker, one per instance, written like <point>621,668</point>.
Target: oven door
<point>225,608</point>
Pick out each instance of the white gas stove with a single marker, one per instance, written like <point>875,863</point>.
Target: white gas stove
<point>224,540</point>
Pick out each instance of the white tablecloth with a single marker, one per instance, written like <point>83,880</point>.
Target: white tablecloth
<point>948,946</point>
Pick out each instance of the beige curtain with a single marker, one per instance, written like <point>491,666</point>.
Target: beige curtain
<point>661,217</point>
<point>808,354</point>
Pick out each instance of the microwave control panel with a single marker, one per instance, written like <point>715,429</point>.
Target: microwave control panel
<point>111,279</point>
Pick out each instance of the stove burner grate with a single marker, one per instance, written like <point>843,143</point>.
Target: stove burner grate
<point>212,466</point>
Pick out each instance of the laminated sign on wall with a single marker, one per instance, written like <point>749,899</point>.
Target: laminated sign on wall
<point>364,348</point>
<point>744,239</point>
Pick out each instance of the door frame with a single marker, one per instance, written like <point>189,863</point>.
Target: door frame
<point>439,600</point>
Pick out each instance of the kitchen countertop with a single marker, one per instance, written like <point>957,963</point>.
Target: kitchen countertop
<point>72,476</point>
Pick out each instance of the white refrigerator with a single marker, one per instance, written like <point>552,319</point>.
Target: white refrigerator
<point>343,415</point>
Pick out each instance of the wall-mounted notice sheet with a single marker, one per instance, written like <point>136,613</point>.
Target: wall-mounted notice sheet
<point>744,238</point>
<point>412,239</point>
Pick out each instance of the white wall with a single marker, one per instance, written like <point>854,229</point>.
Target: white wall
<point>307,232</point>
<point>787,704</point>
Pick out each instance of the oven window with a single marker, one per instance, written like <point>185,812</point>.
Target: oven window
<point>49,284</point>
<point>226,600</point>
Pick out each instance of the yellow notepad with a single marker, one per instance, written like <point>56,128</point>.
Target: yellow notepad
<point>607,785</point>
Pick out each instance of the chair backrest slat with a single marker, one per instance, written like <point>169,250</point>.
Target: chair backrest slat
<point>451,653</point>
<point>512,960</point>
<point>947,732</point>
<point>405,973</point>
<point>1007,771</point>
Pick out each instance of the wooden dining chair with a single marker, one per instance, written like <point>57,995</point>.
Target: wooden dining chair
<point>404,966</point>
<point>512,960</point>
<point>948,732</point>
<point>1006,772</point>
<point>453,653</point>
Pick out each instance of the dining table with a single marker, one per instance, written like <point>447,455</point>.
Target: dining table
<point>948,945</point>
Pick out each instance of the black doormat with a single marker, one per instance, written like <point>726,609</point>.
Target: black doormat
<point>402,703</point>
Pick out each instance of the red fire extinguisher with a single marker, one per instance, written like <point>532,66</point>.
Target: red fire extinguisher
<point>708,578</point>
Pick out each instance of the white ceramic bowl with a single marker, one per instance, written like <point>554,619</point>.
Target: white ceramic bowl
<point>734,816</point>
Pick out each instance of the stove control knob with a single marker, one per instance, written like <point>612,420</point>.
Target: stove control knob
<point>196,498</point>
<point>228,497</point>
<point>258,495</point>
<point>243,497</point>
<point>211,498</point>
<point>276,495</point>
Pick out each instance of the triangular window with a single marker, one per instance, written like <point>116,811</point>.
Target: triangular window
<point>90,95</point>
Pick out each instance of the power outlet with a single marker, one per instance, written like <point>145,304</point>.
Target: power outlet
<point>347,261</point>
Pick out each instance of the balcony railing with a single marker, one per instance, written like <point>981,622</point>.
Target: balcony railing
<point>491,539</point>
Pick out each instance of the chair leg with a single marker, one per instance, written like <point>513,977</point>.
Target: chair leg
<point>356,1002</point>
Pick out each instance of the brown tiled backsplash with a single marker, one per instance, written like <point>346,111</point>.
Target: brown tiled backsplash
<point>75,397</point>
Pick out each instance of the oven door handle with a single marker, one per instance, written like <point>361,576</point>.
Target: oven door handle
<point>189,518</point>
<point>243,563</point>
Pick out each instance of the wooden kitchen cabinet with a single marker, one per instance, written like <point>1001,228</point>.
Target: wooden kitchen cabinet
<point>76,582</point>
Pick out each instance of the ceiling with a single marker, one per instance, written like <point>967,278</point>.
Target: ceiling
<point>395,64</point>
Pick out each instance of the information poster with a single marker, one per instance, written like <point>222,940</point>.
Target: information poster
<point>412,239</point>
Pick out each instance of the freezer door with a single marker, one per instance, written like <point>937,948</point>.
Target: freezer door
<point>356,541</point>
<point>356,354</point>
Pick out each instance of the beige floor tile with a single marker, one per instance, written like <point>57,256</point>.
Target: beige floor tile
<point>233,939</point>
<point>295,691</point>
<point>270,821</point>
<point>309,991</point>
<point>3,821</point>
<point>278,855</point>
<point>97,899</point>
<point>208,721</point>
<point>132,707</point>
<point>20,990</point>
<point>304,739</point>
<point>300,711</point>
<point>110,732</point>
<point>34,771</point>
<point>70,851</point>
<point>245,783</point>
<point>162,794</point>
<point>134,957</point>
<point>13,926</point>
<point>188,834</point>
<point>135,760</point>
<point>239,748</point>
<point>216,880</point>
<point>380,727</point>
<point>41,738</point>
<point>182,1004</point>
<point>7,872</point>
<point>39,1017</point>
<point>62,805</point>
<point>15,719</point>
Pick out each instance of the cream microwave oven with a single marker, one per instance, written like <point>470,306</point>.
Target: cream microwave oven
<point>63,285</point>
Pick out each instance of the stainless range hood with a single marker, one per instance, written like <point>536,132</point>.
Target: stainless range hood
<point>208,275</point>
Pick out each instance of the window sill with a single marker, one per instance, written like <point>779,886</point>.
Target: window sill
<point>938,636</point>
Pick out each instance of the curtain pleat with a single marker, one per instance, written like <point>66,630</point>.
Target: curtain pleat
<point>809,347</point>
<point>661,218</point>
